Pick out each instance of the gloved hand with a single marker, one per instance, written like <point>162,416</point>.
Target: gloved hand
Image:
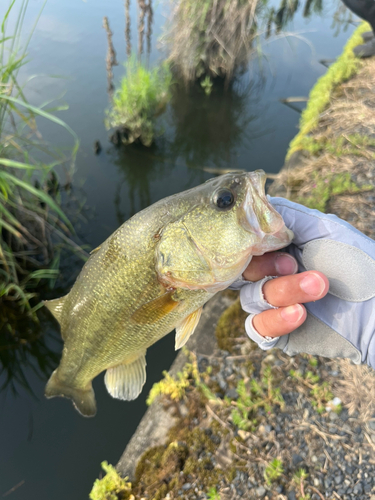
<point>340,323</point>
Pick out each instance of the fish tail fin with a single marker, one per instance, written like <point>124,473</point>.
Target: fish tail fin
<point>83,399</point>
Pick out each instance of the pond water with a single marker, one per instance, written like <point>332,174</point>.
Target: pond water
<point>48,451</point>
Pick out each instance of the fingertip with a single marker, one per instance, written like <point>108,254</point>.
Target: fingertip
<point>293,314</point>
<point>315,284</point>
<point>278,322</point>
<point>285,264</point>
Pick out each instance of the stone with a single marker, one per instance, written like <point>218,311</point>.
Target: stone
<point>261,491</point>
<point>232,394</point>
<point>292,495</point>
<point>358,489</point>
<point>296,459</point>
<point>316,482</point>
<point>371,424</point>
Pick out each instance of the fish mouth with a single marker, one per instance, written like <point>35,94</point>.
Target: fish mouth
<point>260,218</point>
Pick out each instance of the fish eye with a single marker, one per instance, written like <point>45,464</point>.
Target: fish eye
<point>223,198</point>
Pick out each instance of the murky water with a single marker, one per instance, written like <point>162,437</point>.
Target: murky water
<point>47,451</point>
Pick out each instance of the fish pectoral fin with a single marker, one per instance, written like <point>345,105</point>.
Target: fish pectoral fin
<point>95,250</point>
<point>55,306</point>
<point>155,309</point>
<point>125,381</point>
<point>186,328</point>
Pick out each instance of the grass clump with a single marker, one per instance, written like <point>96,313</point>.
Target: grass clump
<point>141,98</point>
<point>211,38</point>
<point>254,395</point>
<point>30,211</point>
<point>345,67</point>
<point>273,471</point>
<point>111,486</point>
<point>299,479</point>
<point>321,393</point>
<point>174,388</point>
<point>212,494</point>
<point>34,229</point>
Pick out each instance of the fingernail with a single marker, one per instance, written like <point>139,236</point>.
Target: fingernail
<point>292,314</point>
<point>285,264</point>
<point>313,285</point>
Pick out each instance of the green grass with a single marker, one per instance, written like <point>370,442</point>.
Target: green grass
<point>255,395</point>
<point>213,494</point>
<point>273,471</point>
<point>330,185</point>
<point>34,229</point>
<point>29,205</point>
<point>141,98</point>
<point>344,68</point>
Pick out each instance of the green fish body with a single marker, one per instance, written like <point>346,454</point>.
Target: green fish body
<point>154,274</point>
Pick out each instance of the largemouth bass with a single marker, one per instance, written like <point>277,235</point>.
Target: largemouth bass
<point>154,274</point>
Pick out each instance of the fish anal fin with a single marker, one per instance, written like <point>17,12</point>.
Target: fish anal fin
<point>83,399</point>
<point>155,309</point>
<point>55,306</point>
<point>126,381</point>
<point>185,329</point>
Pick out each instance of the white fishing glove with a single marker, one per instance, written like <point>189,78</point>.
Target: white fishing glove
<point>341,324</point>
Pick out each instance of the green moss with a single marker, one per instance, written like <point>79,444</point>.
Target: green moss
<point>149,462</point>
<point>344,68</point>
<point>112,486</point>
<point>230,326</point>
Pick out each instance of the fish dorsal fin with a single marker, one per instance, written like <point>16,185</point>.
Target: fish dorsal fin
<point>155,309</point>
<point>125,381</point>
<point>186,328</point>
<point>55,306</point>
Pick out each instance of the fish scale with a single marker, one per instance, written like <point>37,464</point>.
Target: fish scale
<point>154,274</point>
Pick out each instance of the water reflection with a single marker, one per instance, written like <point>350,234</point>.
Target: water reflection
<point>281,16</point>
<point>210,130</point>
<point>111,57</point>
<point>140,167</point>
<point>24,346</point>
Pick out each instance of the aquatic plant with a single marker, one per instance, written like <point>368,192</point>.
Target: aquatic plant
<point>211,37</point>
<point>112,486</point>
<point>141,98</point>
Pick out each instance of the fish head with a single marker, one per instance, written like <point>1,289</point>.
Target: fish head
<point>226,221</point>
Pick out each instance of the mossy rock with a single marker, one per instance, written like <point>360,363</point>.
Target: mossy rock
<point>230,326</point>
